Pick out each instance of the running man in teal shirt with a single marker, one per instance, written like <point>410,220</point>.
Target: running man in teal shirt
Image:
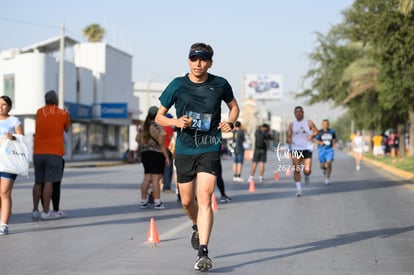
<point>197,98</point>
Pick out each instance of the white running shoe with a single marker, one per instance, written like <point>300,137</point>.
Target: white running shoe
<point>203,263</point>
<point>4,230</point>
<point>160,206</point>
<point>48,216</point>
<point>327,181</point>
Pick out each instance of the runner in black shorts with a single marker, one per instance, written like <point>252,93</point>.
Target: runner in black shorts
<point>301,133</point>
<point>197,99</point>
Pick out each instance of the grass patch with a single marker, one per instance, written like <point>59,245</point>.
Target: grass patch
<point>407,163</point>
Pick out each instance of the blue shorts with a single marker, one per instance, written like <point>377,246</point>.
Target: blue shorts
<point>326,154</point>
<point>9,176</point>
<point>239,157</point>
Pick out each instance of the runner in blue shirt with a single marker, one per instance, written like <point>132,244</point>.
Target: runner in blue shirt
<point>326,140</point>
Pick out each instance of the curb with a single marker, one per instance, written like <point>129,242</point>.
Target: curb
<point>91,164</point>
<point>395,171</point>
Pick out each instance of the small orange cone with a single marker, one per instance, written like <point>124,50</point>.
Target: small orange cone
<point>153,233</point>
<point>252,187</point>
<point>214,204</point>
<point>287,172</point>
<point>276,176</point>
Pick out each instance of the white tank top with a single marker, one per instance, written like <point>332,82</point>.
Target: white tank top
<point>300,133</point>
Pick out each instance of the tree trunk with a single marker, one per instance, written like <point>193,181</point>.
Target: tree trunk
<point>410,137</point>
<point>401,134</point>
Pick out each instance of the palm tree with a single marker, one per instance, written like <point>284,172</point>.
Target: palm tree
<point>406,7</point>
<point>94,33</point>
<point>361,75</point>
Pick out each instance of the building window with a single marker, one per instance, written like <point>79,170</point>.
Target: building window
<point>124,138</point>
<point>110,137</point>
<point>96,137</point>
<point>79,138</point>
<point>9,86</point>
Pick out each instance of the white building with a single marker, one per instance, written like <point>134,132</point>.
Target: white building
<point>98,92</point>
<point>148,94</point>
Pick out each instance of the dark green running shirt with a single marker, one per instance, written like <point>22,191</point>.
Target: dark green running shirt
<point>201,102</point>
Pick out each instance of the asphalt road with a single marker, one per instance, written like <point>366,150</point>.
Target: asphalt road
<point>361,224</point>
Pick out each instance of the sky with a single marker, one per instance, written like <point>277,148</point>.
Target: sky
<point>248,37</point>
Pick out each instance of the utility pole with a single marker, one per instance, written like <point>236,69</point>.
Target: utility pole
<point>68,140</point>
<point>61,66</point>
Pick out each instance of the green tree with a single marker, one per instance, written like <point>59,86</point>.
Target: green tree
<point>367,64</point>
<point>94,33</point>
<point>328,62</point>
<point>343,73</point>
<point>388,25</point>
<point>343,127</point>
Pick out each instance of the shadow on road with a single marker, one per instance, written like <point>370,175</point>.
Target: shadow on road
<point>336,241</point>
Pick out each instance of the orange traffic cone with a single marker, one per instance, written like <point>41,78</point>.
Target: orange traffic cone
<point>276,176</point>
<point>287,172</point>
<point>252,187</point>
<point>152,232</point>
<point>214,204</point>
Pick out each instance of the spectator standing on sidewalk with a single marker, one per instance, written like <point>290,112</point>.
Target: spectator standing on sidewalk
<point>326,140</point>
<point>8,125</point>
<point>56,196</point>
<point>167,176</point>
<point>262,138</point>
<point>394,143</point>
<point>48,149</point>
<point>385,145</point>
<point>300,139</point>
<point>220,185</point>
<point>197,98</point>
<point>154,158</point>
<point>238,160</point>
<point>377,145</point>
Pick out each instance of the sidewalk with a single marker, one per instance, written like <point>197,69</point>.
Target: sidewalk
<point>390,169</point>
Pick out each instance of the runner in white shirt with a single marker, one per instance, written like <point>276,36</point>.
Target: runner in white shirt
<point>358,144</point>
<point>300,138</point>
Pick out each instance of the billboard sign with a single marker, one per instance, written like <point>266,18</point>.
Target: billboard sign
<point>263,86</point>
<point>114,110</point>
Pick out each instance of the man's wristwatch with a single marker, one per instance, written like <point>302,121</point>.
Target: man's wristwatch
<point>231,124</point>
